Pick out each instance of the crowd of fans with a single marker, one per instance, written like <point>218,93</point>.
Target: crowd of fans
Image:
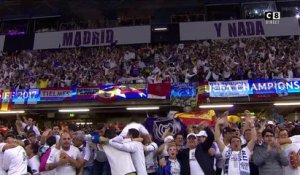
<point>251,148</point>
<point>197,61</point>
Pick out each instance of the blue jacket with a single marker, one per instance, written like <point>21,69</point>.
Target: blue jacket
<point>167,169</point>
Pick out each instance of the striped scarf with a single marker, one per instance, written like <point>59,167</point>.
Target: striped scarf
<point>242,160</point>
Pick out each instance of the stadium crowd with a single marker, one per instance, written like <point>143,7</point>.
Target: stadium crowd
<point>252,148</point>
<point>197,61</point>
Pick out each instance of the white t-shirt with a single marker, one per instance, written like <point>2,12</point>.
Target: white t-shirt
<point>151,157</point>
<point>141,128</point>
<point>34,164</point>
<point>234,161</point>
<point>287,150</point>
<point>66,169</point>
<point>1,162</point>
<point>195,168</point>
<point>175,167</point>
<point>120,161</point>
<point>295,139</point>
<point>15,161</point>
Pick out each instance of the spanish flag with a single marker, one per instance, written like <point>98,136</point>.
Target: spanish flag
<point>203,93</point>
<point>195,117</point>
<point>6,96</point>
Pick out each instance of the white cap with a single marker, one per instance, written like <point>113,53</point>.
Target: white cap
<point>1,147</point>
<point>202,133</point>
<point>191,134</point>
<point>271,123</point>
<point>168,139</point>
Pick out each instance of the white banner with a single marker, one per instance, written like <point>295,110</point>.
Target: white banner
<point>238,29</point>
<point>92,37</point>
<point>2,40</point>
<point>228,88</point>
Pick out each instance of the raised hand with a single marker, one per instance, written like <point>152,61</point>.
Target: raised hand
<point>248,120</point>
<point>221,121</point>
<point>203,124</point>
<point>47,132</point>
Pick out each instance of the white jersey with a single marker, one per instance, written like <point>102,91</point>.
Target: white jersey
<point>34,164</point>
<point>66,169</point>
<point>2,172</point>
<point>15,161</point>
<point>136,149</point>
<point>120,161</point>
<point>288,149</point>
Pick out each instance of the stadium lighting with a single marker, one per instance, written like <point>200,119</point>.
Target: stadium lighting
<point>287,104</point>
<point>161,29</point>
<point>297,16</point>
<point>74,110</point>
<point>210,106</point>
<point>12,112</point>
<point>142,108</point>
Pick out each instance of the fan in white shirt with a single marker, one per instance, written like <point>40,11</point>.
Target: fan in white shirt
<point>14,159</point>
<point>236,158</point>
<point>291,146</point>
<point>116,156</point>
<point>29,125</point>
<point>3,147</point>
<point>135,148</point>
<point>33,158</point>
<point>65,160</point>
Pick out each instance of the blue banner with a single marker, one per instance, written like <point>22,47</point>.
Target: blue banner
<point>29,96</point>
<point>280,87</point>
<point>184,94</point>
<point>276,86</point>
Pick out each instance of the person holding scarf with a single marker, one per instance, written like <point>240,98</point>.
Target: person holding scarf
<point>236,158</point>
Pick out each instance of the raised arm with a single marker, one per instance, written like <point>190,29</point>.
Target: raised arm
<point>161,148</point>
<point>206,145</point>
<point>127,147</point>
<point>218,140</point>
<point>250,124</point>
<point>25,119</point>
<point>20,120</point>
<point>151,147</point>
<point>283,141</point>
<point>45,135</point>
<point>293,139</point>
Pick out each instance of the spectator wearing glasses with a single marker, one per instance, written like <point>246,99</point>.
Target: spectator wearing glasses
<point>269,157</point>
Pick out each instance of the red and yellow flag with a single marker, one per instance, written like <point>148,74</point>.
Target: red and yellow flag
<point>195,117</point>
<point>6,98</point>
